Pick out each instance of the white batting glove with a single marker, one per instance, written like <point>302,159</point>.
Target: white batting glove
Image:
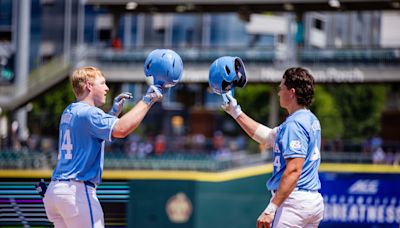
<point>230,105</point>
<point>119,103</point>
<point>153,95</point>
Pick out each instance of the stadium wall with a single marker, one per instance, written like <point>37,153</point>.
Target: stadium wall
<point>355,195</point>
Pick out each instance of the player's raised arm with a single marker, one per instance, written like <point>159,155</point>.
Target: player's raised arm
<point>226,73</point>
<point>131,120</point>
<point>165,66</point>
<point>259,132</point>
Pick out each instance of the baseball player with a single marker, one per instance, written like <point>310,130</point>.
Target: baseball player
<point>294,183</point>
<point>70,200</point>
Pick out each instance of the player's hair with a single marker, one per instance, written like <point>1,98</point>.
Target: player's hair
<point>303,82</point>
<point>82,75</point>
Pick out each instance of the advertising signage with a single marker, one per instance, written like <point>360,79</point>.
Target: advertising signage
<point>361,200</point>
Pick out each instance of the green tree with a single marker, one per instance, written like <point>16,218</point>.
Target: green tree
<point>254,100</point>
<point>360,107</point>
<point>326,109</point>
<point>47,108</point>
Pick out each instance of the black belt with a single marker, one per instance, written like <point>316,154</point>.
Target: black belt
<point>88,183</point>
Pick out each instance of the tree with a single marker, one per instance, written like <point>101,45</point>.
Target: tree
<point>360,107</point>
<point>327,111</point>
<point>47,108</point>
<point>254,99</point>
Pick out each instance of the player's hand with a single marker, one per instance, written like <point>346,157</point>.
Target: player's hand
<point>265,220</point>
<point>230,105</point>
<point>119,103</point>
<point>154,94</point>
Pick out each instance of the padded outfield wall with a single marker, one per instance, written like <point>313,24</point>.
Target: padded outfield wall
<point>355,196</point>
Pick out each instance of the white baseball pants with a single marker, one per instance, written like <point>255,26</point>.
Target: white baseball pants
<point>71,204</point>
<point>300,209</point>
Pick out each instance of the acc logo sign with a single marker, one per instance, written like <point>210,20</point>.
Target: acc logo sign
<point>364,187</point>
<point>179,208</point>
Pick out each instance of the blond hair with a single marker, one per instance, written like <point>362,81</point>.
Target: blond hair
<point>82,75</point>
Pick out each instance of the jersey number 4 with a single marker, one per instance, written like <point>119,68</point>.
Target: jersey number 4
<point>67,145</point>
<point>277,162</point>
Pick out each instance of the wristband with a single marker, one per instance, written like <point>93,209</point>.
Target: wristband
<point>237,111</point>
<point>147,100</point>
<point>271,208</point>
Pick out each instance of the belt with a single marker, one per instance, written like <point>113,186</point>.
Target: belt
<point>298,189</point>
<point>88,183</point>
<point>304,190</point>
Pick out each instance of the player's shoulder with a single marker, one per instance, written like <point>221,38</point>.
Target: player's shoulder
<point>302,118</point>
<point>83,110</point>
<point>304,115</point>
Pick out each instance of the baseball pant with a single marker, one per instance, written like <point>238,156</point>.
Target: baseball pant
<point>300,209</point>
<point>71,204</point>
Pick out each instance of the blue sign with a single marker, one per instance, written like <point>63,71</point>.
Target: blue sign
<point>361,200</point>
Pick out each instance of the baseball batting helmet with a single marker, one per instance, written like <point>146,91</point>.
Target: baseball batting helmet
<point>226,73</point>
<point>165,66</point>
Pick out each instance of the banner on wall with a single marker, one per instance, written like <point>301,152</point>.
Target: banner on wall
<point>361,199</point>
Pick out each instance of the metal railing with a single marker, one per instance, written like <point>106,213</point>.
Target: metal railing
<point>171,161</point>
<point>350,55</point>
<point>110,55</point>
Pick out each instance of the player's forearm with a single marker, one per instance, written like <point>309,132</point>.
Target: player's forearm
<point>131,120</point>
<point>258,132</point>
<point>247,124</point>
<point>289,180</point>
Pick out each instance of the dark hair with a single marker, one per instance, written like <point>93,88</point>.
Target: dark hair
<point>303,82</point>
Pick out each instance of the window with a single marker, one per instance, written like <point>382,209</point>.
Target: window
<point>318,24</point>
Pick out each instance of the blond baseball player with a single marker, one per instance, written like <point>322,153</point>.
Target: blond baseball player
<point>70,200</point>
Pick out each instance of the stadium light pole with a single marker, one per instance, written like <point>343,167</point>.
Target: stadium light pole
<point>67,30</point>
<point>22,61</point>
<point>81,23</point>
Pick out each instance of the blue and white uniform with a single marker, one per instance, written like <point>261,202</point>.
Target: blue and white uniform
<point>299,137</point>
<point>71,200</point>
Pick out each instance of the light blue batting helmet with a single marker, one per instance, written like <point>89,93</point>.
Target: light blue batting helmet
<point>165,66</point>
<point>226,73</point>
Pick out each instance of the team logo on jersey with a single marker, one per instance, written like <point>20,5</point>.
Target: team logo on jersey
<point>295,144</point>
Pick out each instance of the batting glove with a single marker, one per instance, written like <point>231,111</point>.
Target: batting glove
<point>230,105</point>
<point>119,103</point>
<point>154,94</point>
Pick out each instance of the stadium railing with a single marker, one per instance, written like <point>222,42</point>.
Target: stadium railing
<point>10,159</point>
<point>110,55</point>
<point>350,55</point>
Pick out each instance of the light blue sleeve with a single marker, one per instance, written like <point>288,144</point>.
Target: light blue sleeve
<point>294,141</point>
<point>101,124</point>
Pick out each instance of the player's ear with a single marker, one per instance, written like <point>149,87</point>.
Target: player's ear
<point>293,91</point>
<point>89,85</point>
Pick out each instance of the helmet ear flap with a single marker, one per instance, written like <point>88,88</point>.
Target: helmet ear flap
<point>226,73</point>
<point>241,79</point>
